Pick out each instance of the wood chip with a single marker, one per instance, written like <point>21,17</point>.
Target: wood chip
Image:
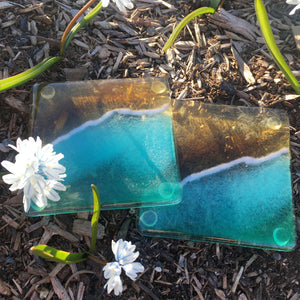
<point>220,294</point>
<point>17,241</point>
<point>250,261</point>
<point>35,226</point>
<point>116,65</point>
<point>57,269</point>
<point>30,8</point>
<point>237,280</point>
<point>296,296</point>
<point>151,54</point>
<point>15,103</point>
<point>8,23</point>
<point>4,288</point>
<point>10,221</point>
<point>185,45</point>
<point>198,292</point>
<point>59,290</point>
<point>81,44</point>
<point>243,67</point>
<point>80,292</point>
<point>296,34</point>
<point>83,227</point>
<point>53,229</point>
<point>15,201</point>
<point>235,24</point>
<point>5,5</point>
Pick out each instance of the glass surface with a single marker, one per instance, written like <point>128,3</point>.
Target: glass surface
<point>235,168</point>
<point>116,134</point>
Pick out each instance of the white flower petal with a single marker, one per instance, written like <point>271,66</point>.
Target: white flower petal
<point>294,9</point>
<point>26,203</point>
<point>121,7</point>
<point>112,269</point>
<point>52,195</point>
<point>105,3</point>
<point>128,257</point>
<point>132,269</point>
<point>36,171</point>
<point>9,166</point>
<point>10,178</point>
<point>38,182</point>
<point>127,3</point>
<point>114,283</point>
<point>29,190</point>
<point>14,187</point>
<point>56,185</point>
<point>40,200</point>
<point>114,246</point>
<point>124,252</point>
<point>294,2</point>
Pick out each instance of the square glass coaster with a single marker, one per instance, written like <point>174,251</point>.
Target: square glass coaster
<point>116,134</point>
<point>236,184</point>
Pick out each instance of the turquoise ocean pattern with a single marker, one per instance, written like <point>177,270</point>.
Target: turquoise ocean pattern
<point>129,155</point>
<point>248,199</point>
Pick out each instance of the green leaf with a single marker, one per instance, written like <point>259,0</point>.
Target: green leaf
<point>53,254</point>
<point>95,218</point>
<point>91,15</point>
<point>188,18</point>
<point>214,3</point>
<point>25,76</point>
<point>266,30</point>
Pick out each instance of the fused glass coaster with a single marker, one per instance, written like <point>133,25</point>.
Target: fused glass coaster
<point>236,184</point>
<point>116,134</point>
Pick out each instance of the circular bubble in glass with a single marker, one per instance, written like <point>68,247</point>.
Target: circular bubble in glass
<point>281,236</point>
<point>48,92</point>
<point>149,218</point>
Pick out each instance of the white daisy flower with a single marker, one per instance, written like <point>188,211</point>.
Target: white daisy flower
<point>121,4</point>
<point>36,172</point>
<point>125,257</point>
<point>294,2</point>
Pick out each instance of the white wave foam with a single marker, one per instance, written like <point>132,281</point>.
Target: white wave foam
<point>248,160</point>
<point>122,111</point>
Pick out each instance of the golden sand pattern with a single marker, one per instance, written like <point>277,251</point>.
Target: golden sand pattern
<point>60,107</point>
<point>208,135</point>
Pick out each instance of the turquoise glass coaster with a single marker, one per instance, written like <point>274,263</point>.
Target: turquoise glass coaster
<point>236,184</point>
<point>116,134</point>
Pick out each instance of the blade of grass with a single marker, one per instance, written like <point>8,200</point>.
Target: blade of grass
<point>91,15</point>
<point>95,218</point>
<point>266,30</point>
<point>25,76</point>
<point>56,255</point>
<point>71,24</point>
<point>188,18</point>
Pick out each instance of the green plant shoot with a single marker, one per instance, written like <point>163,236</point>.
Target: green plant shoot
<point>266,30</point>
<point>55,255</point>
<point>64,257</point>
<point>184,21</point>
<point>72,23</point>
<point>91,15</point>
<point>95,218</point>
<point>13,81</point>
<point>16,80</point>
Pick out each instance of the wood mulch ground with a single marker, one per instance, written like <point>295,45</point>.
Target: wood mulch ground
<point>205,64</point>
